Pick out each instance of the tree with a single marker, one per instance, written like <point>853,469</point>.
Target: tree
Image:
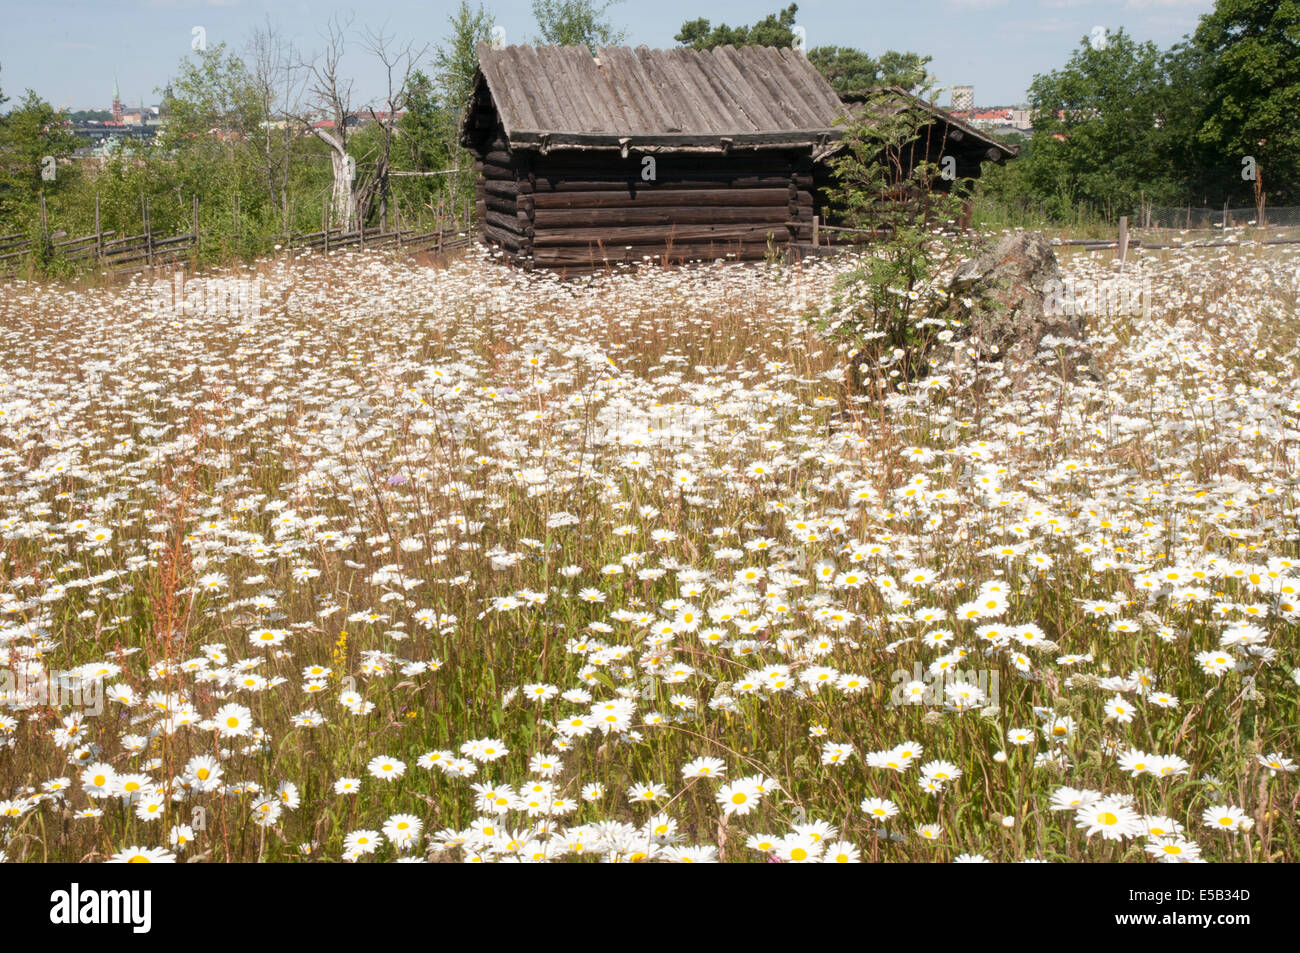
<point>399,67</point>
<point>456,60</point>
<point>907,70</point>
<point>437,108</point>
<point>575,23</point>
<point>330,92</point>
<point>1249,52</point>
<point>850,70</point>
<point>886,310</point>
<point>775,29</point>
<point>209,148</point>
<point>278,89</point>
<point>1100,132</point>
<point>212,98</point>
<point>33,137</point>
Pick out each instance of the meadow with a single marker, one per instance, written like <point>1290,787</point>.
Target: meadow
<point>355,559</point>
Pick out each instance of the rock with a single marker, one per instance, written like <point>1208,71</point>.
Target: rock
<point>1017,305</point>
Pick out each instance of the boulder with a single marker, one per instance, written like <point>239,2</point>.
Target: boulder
<point>1010,303</point>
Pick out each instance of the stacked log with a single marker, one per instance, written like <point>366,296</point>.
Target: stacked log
<point>590,207</point>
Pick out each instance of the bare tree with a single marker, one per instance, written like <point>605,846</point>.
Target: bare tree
<point>330,93</point>
<point>279,87</point>
<point>399,65</point>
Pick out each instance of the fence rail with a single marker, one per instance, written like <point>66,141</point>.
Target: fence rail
<point>114,252</point>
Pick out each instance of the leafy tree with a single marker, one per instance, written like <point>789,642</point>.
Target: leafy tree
<point>575,23</point>
<point>1100,129</point>
<point>210,148</point>
<point>213,93</point>
<point>850,70</point>
<point>456,60</point>
<point>31,134</point>
<point>1249,53</point>
<point>775,29</point>
<point>907,70</point>
<point>431,124</point>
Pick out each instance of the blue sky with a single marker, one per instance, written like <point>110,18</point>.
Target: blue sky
<point>69,50</point>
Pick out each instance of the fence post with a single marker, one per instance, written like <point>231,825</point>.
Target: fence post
<point>816,229</point>
<point>99,235</point>
<point>148,233</point>
<point>1225,218</point>
<point>196,226</point>
<point>325,223</point>
<point>1121,247</point>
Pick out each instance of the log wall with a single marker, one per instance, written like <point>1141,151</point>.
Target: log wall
<point>582,210</point>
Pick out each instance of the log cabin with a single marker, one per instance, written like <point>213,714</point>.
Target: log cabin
<point>632,154</point>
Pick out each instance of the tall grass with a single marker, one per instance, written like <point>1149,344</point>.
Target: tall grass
<point>485,504</point>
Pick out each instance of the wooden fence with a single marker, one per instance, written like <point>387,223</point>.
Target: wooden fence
<point>830,236</point>
<point>106,250</point>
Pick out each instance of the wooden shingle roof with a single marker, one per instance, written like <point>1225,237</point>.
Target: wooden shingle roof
<point>675,100</point>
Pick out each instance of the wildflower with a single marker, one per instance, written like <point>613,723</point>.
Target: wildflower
<point>361,842</point>
<point>879,809</point>
<point>643,793</point>
<point>233,721</point>
<point>1225,817</point>
<point>143,855</point>
<point>1112,819</point>
<point>704,767</point>
<point>738,797</point>
<point>1173,850</point>
<point>403,830</point>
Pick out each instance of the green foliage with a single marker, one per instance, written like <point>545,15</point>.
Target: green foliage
<point>31,134</point>
<point>456,60</point>
<point>1124,121</point>
<point>850,70</point>
<point>1099,129</point>
<point>775,29</point>
<point>575,23</point>
<point>213,91</point>
<point>887,311</point>
<point>1249,57</point>
<point>429,130</point>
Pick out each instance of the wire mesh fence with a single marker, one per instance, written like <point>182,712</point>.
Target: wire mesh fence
<point>1206,218</point>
